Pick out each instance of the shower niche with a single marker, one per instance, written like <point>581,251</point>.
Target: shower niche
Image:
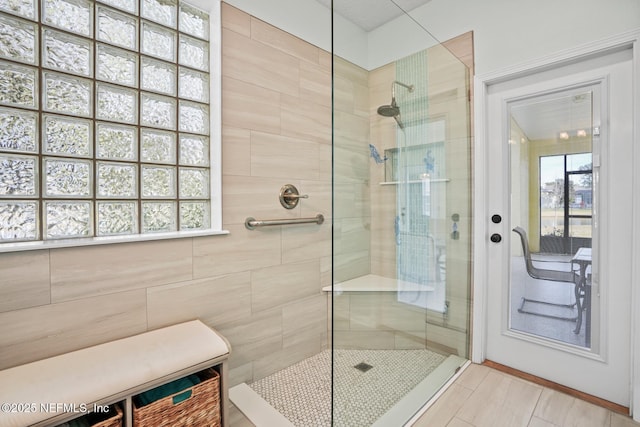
<point>421,163</point>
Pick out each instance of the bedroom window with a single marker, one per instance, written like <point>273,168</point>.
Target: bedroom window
<point>105,122</point>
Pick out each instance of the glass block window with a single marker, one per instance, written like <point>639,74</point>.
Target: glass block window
<point>104,118</point>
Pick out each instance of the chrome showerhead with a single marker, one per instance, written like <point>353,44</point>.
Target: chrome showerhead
<point>389,110</point>
<point>392,110</point>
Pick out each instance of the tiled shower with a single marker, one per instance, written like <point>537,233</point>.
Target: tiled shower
<point>262,289</point>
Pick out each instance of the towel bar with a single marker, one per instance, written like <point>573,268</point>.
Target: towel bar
<point>252,223</point>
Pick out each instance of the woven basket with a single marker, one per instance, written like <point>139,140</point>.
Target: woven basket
<point>113,418</point>
<point>202,408</point>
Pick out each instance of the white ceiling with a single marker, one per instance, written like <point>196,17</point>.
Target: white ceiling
<point>540,118</point>
<point>545,117</point>
<point>370,14</point>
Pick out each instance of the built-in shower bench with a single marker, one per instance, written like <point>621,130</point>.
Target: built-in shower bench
<point>34,393</point>
<point>385,312</point>
<point>375,283</point>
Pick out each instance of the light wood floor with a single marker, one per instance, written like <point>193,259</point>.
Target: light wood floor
<point>483,396</point>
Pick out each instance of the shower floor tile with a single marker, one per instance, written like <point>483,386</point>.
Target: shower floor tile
<point>367,384</point>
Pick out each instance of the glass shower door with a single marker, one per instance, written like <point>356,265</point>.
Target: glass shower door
<point>401,228</point>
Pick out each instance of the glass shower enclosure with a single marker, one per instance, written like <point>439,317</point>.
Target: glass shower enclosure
<point>400,306</point>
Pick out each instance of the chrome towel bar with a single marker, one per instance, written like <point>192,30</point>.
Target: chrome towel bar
<point>252,223</point>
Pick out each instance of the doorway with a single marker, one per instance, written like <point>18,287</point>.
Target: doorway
<point>557,254</point>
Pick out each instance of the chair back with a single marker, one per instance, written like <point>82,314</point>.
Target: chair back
<point>527,253</point>
<point>540,273</point>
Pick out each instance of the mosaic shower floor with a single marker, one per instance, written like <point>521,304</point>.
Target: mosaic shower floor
<point>369,383</point>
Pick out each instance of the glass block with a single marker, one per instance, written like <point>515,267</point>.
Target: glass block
<point>26,8</point>
<point>194,21</point>
<point>117,180</point>
<point>158,76</point>
<point>194,118</point>
<point>18,40</point>
<point>194,150</point>
<point>158,147</point>
<point>18,130</point>
<point>194,215</point>
<point>164,12</point>
<point>117,28</point>
<point>158,112</point>
<point>158,42</point>
<point>194,183</point>
<point>193,53</point>
<point>67,137</point>
<point>18,176</point>
<point>68,95</point>
<point>67,178</point>
<point>116,142</point>
<point>158,181</point>
<point>117,66</point>
<point>193,85</point>
<point>117,218</point>
<point>116,104</point>
<point>18,221</point>
<point>67,53</point>
<point>18,85</point>
<point>75,16</point>
<point>158,216</point>
<point>67,219</point>
<point>130,6</point>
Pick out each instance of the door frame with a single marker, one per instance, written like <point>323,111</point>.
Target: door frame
<point>481,221</point>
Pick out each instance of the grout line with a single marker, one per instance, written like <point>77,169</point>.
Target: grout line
<point>558,387</point>
<point>439,394</point>
<point>534,408</point>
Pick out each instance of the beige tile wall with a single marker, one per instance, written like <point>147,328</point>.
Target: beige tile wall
<point>262,288</point>
<point>449,88</point>
<point>352,204</point>
<point>449,67</point>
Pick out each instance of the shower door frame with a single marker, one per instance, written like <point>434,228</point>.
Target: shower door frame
<point>482,228</point>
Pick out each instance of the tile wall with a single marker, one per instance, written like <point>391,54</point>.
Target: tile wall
<point>378,320</point>
<point>261,288</point>
<point>352,207</point>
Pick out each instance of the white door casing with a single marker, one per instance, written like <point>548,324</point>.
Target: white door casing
<point>619,184</point>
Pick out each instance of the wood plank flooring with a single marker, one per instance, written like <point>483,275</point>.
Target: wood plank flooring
<point>486,397</point>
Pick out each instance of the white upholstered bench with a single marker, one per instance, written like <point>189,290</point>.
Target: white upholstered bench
<point>35,393</point>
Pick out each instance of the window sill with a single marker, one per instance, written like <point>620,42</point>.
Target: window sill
<point>92,241</point>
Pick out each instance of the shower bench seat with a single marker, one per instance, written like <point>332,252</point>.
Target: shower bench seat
<point>60,388</point>
<point>378,311</point>
<point>375,283</point>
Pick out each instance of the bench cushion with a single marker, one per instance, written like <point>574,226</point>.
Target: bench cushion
<point>96,373</point>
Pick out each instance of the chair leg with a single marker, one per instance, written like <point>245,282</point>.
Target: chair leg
<point>579,296</point>
<point>550,316</point>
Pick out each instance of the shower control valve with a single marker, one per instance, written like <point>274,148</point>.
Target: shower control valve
<point>289,196</point>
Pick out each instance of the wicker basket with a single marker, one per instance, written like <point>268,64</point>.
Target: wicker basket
<point>113,421</point>
<point>113,418</point>
<point>201,408</point>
